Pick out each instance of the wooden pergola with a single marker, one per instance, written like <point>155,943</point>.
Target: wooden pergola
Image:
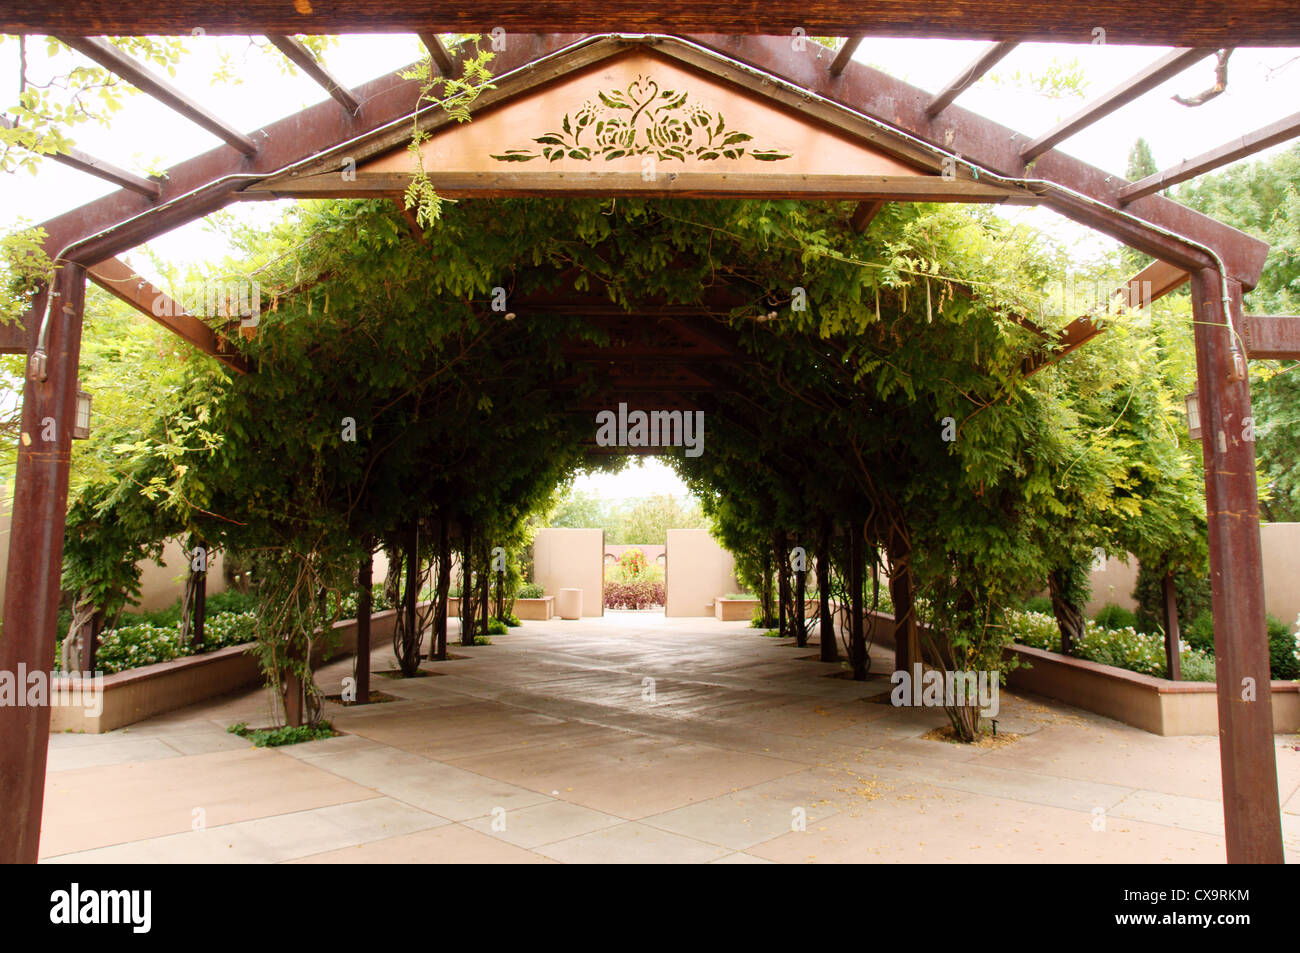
<point>886,141</point>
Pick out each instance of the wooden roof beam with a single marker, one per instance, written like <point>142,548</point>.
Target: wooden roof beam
<point>865,213</point>
<point>1271,337</point>
<point>306,61</point>
<point>82,162</point>
<point>1154,281</point>
<point>441,57</point>
<point>969,77</point>
<point>1163,69</point>
<point>114,60</point>
<point>120,280</point>
<point>1152,22</point>
<point>996,147</point>
<point>844,54</point>
<point>1249,144</point>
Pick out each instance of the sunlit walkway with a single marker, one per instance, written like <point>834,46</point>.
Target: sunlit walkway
<point>639,739</point>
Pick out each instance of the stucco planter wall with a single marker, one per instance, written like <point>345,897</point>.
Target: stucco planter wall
<point>734,610</point>
<point>742,610</point>
<point>540,609</point>
<point>139,693</point>
<point>1157,705</point>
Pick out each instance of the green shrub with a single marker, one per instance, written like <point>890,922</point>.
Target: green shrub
<point>1038,604</point>
<point>132,646</point>
<point>512,620</point>
<point>1200,634</point>
<point>1191,590</point>
<point>1282,647</point>
<point>496,627</point>
<point>1125,648</point>
<point>1112,616</point>
<point>231,600</point>
<point>530,590</point>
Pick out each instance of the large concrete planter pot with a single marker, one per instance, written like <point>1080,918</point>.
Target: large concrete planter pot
<point>568,603</point>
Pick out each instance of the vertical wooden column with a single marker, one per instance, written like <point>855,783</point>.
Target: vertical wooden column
<point>444,583</point>
<point>36,561</point>
<point>907,638</point>
<point>826,622</point>
<point>484,587</point>
<point>365,580</point>
<point>1173,659</point>
<point>200,607</point>
<point>467,614</point>
<point>780,547</point>
<point>801,602</point>
<point>90,647</point>
<point>1252,818</point>
<point>857,632</point>
<point>410,595</point>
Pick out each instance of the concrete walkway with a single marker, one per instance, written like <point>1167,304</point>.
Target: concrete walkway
<point>635,738</point>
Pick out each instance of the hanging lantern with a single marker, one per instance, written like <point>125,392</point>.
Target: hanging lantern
<point>81,425</point>
<point>1194,415</point>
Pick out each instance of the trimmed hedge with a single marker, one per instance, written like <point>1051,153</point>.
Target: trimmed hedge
<point>634,595</point>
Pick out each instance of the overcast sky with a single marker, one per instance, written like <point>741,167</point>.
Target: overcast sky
<point>1263,85</point>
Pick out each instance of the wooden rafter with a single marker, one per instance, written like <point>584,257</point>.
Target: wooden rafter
<point>865,213</point>
<point>844,54</point>
<point>441,57</point>
<point>111,58</point>
<point>120,280</point>
<point>968,77</point>
<point>1249,144</point>
<point>1167,67</point>
<point>82,162</point>
<point>1271,337</point>
<point>995,147</point>
<point>1154,281</point>
<point>306,61</point>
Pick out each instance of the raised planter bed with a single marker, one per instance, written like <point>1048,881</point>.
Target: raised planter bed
<point>526,610</point>
<point>1157,705</point>
<point>138,693</point>
<point>540,609</point>
<point>742,610</point>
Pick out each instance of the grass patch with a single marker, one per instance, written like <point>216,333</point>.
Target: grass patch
<point>287,735</point>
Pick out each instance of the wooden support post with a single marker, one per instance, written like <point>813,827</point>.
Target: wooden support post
<point>90,646</point>
<point>800,600</point>
<point>767,587</point>
<point>293,707</point>
<point>906,635</point>
<point>826,622</point>
<point>467,588</point>
<point>199,607</point>
<point>444,583</point>
<point>31,602</point>
<point>857,633</point>
<point>484,581</point>
<point>1252,819</point>
<point>365,580</point>
<point>1173,660</point>
<point>410,593</point>
<point>781,550</point>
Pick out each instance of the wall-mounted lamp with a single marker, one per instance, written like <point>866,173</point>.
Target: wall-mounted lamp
<point>1194,415</point>
<point>81,425</point>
